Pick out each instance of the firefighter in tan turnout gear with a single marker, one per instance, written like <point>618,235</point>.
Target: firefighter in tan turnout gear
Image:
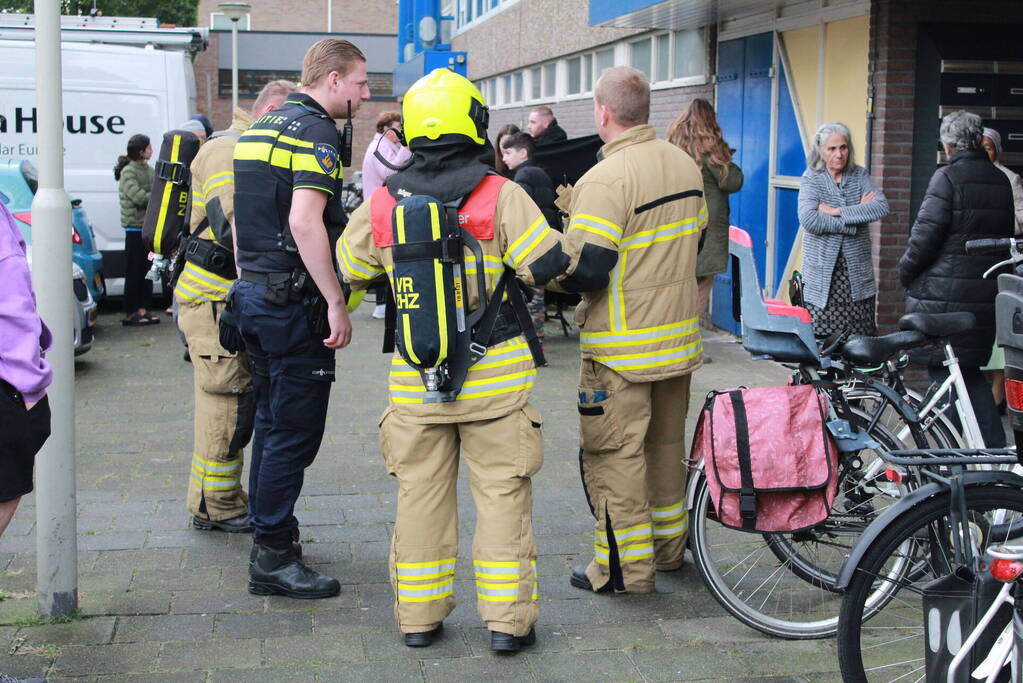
<point>224,406</point>
<point>633,236</point>
<point>486,419</point>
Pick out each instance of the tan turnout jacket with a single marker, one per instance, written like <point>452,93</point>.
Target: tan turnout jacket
<point>645,201</point>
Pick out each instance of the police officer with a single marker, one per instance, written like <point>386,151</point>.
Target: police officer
<point>633,235</point>
<point>288,301</point>
<point>491,424</point>
<point>224,405</point>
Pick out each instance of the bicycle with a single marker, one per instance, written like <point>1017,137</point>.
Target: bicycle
<point>954,528</point>
<point>785,584</point>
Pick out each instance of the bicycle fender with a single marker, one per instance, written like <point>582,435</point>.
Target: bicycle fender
<point>910,500</point>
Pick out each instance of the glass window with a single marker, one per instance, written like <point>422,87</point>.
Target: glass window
<point>508,95</point>
<point>662,57</point>
<point>535,92</point>
<point>639,56</point>
<point>604,59</point>
<point>575,76</point>
<point>690,54</point>
<point>550,80</point>
<point>587,73</point>
<point>518,86</point>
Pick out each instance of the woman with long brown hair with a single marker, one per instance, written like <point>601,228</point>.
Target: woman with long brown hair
<point>697,133</point>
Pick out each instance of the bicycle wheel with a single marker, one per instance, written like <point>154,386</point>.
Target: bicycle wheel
<point>881,627</point>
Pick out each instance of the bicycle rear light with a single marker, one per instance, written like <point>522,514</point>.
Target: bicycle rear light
<point>1014,393</point>
<point>1006,570</point>
<point>895,475</point>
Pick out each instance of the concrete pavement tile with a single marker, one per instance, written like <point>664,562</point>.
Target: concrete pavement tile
<point>124,602</point>
<point>581,611</point>
<point>692,663</point>
<point>372,550</point>
<point>178,521</point>
<point>17,544</point>
<point>450,643</point>
<point>116,509</point>
<point>98,631</point>
<point>345,599</point>
<point>355,571</point>
<point>570,667</point>
<point>564,544</point>
<point>790,657</point>
<point>164,628</point>
<point>620,637</point>
<point>340,502</point>
<point>318,552</point>
<point>210,602</point>
<point>320,517</point>
<point>117,658</point>
<point>14,609</point>
<point>186,538</point>
<point>295,674</point>
<point>548,639</point>
<point>488,668</point>
<point>353,620</point>
<point>716,630</point>
<point>375,594</point>
<point>396,671</point>
<point>355,515</point>
<point>176,579</point>
<point>17,582</point>
<point>314,650</point>
<point>213,557</point>
<point>263,625</point>
<point>155,558</point>
<point>346,533</point>
<point>26,666</point>
<point>114,540</point>
<point>210,654</point>
<point>110,581</point>
<point>184,677</point>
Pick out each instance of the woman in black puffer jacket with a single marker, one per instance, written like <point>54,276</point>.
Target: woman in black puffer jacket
<point>966,200</point>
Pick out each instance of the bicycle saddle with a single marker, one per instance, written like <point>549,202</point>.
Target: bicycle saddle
<point>876,350</point>
<point>938,324</point>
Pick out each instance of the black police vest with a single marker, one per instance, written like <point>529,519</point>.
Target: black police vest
<point>264,181</point>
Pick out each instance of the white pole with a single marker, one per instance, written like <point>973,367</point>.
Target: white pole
<point>330,16</point>
<point>56,524</point>
<point>234,65</point>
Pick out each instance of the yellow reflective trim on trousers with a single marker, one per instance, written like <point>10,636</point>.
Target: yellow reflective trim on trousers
<point>212,277</point>
<point>640,336</point>
<point>652,359</point>
<point>252,151</point>
<point>597,226</point>
<point>216,485</point>
<point>295,141</point>
<point>497,592</point>
<point>217,465</point>
<point>438,278</point>
<point>419,571</point>
<point>356,266</point>
<point>667,511</point>
<point>165,199</point>
<point>511,378</point>
<point>188,288</point>
<point>673,530</point>
<point>427,564</point>
<point>629,535</point>
<point>426,592</point>
<point>629,553</point>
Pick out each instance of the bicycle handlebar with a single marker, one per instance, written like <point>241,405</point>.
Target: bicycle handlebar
<point>988,246</point>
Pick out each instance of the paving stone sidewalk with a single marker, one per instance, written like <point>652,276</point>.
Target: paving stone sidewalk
<point>163,602</point>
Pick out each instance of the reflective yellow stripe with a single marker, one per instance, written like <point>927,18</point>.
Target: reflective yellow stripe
<point>418,571</point>
<point>520,248</point>
<point>295,141</point>
<point>497,592</point>
<point>672,529</point>
<point>652,359</point>
<point>216,180</point>
<point>252,151</point>
<point>702,215</point>
<point>301,161</point>
<point>492,265</point>
<point>502,384</point>
<point>597,226</point>
<point>496,570</point>
<point>259,132</point>
<point>438,278</point>
<point>662,233</point>
<point>644,335</point>
<point>616,305</point>
<point>214,279</point>
<point>216,465</point>
<point>356,267</point>
<point>668,511</point>
<point>629,534</point>
<point>426,592</point>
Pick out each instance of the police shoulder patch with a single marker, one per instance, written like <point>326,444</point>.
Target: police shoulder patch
<point>326,157</point>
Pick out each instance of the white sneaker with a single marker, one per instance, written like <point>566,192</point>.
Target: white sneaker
<point>379,311</point>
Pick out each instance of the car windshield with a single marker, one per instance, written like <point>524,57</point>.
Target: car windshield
<point>31,175</point>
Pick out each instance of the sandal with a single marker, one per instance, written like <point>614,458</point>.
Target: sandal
<point>138,320</point>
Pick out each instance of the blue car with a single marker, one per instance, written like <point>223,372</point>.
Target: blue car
<point>18,183</point>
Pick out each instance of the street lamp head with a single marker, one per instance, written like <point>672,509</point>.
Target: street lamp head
<point>234,10</point>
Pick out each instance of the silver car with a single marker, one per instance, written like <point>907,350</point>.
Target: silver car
<point>85,311</point>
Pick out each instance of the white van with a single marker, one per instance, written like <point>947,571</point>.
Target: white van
<point>111,92</point>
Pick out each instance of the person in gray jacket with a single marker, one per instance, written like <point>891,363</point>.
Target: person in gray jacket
<point>837,201</point>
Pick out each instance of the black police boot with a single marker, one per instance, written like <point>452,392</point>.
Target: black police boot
<point>277,571</point>
<point>296,548</point>
<point>235,525</point>
<point>424,638</point>
<point>506,643</point>
<point>580,580</point>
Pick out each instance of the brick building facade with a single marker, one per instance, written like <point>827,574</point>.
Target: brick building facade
<point>286,28</point>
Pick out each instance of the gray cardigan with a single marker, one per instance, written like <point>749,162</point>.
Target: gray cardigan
<point>824,236</point>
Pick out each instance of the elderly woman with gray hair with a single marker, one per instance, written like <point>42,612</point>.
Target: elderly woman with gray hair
<point>837,200</point>
<point>967,199</point>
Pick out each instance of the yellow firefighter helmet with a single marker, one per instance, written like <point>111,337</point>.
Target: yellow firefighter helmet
<point>444,104</point>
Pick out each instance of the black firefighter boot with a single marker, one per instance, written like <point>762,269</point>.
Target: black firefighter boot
<point>277,571</point>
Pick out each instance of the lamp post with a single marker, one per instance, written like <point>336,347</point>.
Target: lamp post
<point>234,11</point>
<point>56,524</point>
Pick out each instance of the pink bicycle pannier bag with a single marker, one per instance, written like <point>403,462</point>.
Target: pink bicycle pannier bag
<point>770,463</point>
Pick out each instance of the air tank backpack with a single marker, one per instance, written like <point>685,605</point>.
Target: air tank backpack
<point>167,213</point>
<point>771,465</point>
<point>433,330</point>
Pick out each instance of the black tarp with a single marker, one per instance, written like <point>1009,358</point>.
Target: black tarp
<point>566,162</point>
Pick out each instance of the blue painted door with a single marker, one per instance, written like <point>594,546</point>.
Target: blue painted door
<point>744,112</point>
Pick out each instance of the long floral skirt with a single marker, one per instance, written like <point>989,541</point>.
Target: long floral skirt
<point>841,312</point>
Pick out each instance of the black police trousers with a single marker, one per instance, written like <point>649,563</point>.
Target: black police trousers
<point>292,373</point>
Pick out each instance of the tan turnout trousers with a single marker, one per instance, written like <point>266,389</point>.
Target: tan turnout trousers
<point>635,476</point>
<point>502,454</point>
<point>224,412</point>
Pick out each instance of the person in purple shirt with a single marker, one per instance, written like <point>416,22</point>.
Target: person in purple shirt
<point>24,372</point>
<point>374,173</point>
